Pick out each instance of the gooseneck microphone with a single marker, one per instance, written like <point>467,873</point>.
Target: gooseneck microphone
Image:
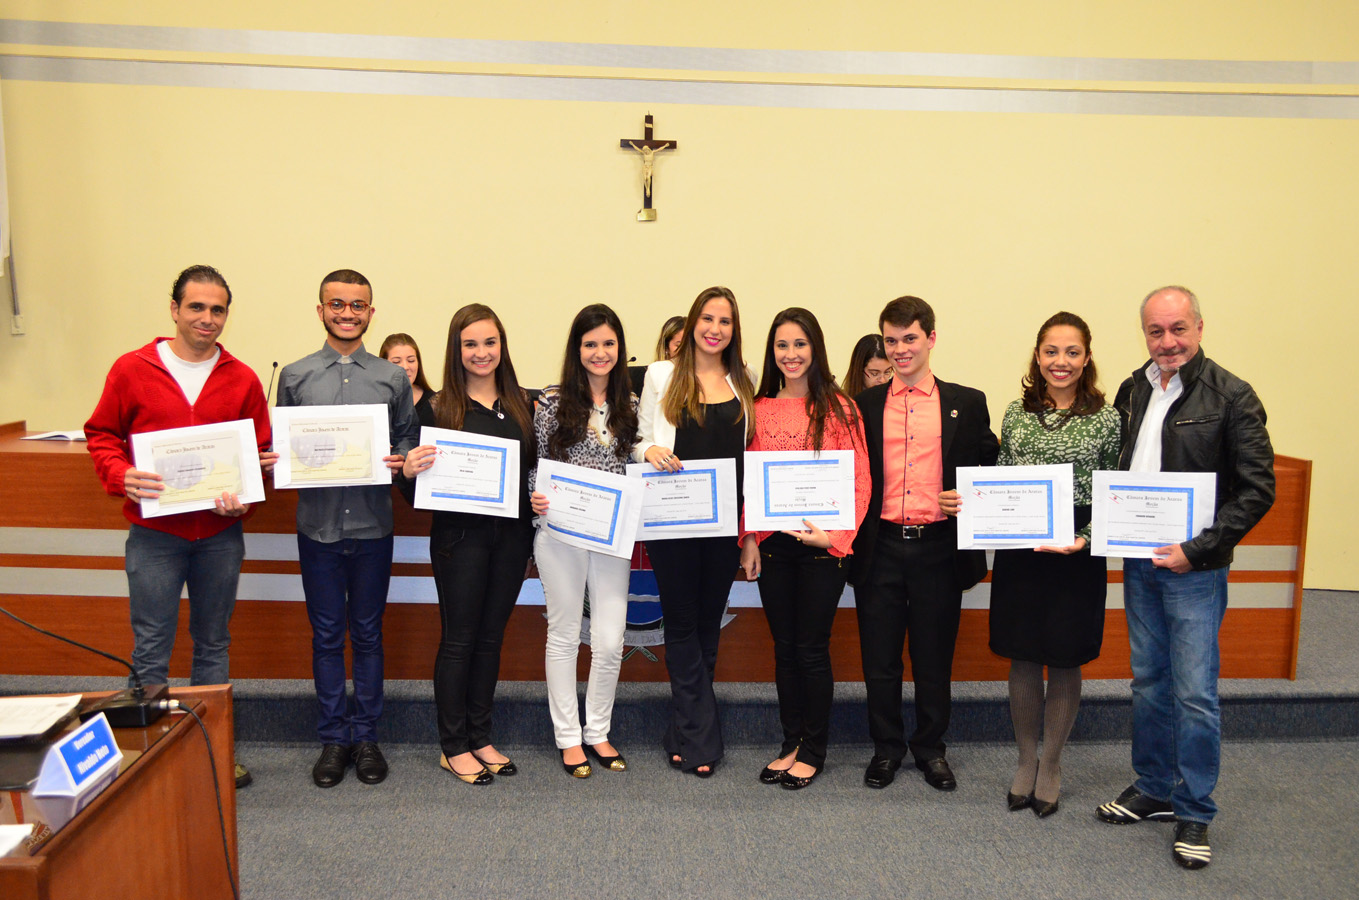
<point>136,707</point>
<point>271,383</point>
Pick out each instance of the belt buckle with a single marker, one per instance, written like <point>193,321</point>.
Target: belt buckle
<point>912,532</point>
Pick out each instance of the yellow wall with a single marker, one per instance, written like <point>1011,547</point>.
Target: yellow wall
<point>997,218</point>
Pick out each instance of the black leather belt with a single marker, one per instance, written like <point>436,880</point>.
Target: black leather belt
<point>935,531</point>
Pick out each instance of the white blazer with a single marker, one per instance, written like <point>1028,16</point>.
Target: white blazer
<point>653,428</point>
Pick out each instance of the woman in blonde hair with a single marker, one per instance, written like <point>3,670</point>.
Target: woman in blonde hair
<point>698,405</point>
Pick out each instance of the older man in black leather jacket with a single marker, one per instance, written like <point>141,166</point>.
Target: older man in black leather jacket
<point>1182,412</point>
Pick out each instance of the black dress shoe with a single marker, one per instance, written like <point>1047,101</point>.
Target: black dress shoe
<point>1016,802</point>
<point>329,769</point>
<point>938,775</point>
<point>771,776</point>
<point>881,771</point>
<point>369,763</point>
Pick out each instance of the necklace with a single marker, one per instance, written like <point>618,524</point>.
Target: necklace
<point>1061,416</point>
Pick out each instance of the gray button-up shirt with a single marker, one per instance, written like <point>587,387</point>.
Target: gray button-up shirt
<point>325,378</point>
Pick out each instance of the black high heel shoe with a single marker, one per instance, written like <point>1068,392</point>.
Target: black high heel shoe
<point>615,763</point>
<point>1016,802</point>
<point>1042,808</point>
<point>576,770</point>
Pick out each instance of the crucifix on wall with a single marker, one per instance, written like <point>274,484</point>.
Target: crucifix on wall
<point>648,146</point>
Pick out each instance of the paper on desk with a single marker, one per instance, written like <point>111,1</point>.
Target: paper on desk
<point>11,836</point>
<point>22,717</point>
<point>56,436</point>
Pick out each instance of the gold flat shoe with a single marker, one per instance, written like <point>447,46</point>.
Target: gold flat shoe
<point>480,777</point>
<point>576,770</point>
<point>615,763</point>
<point>506,768</point>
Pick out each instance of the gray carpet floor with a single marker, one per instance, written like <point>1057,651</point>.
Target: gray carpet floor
<point>1289,827</point>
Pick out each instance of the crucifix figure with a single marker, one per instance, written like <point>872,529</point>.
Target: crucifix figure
<point>648,147</point>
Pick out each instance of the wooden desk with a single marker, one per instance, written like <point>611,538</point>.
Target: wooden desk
<point>68,576</point>
<point>154,831</point>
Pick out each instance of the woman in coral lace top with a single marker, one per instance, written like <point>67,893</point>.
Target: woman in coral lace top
<point>802,573</point>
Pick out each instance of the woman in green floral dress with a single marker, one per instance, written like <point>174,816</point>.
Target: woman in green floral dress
<point>1047,605</point>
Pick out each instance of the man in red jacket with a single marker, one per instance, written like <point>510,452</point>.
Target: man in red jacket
<point>188,379</point>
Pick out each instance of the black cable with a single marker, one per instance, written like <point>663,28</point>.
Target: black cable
<point>217,788</point>
<point>136,679</point>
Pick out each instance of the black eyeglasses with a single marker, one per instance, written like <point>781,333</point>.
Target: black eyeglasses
<point>338,305</point>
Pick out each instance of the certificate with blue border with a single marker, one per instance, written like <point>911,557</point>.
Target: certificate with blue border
<point>473,473</point>
<point>783,487</point>
<point>588,508</point>
<point>1133,513</point>
<point>697,501</point>
<point>1015,507</point>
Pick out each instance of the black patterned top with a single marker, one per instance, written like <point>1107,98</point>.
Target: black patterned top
<point>1087,442</point>
<point>598,450</point>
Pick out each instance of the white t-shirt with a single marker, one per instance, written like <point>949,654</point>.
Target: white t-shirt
<point>1147,450</point>
<point>190,376</point>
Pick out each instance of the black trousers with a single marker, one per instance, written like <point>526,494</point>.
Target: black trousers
<point>694,577</point>
<point>911,590</point>
<point>800,588</point>
<point>478,573</point>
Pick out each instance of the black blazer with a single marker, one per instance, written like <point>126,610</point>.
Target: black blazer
<point>967,440</point>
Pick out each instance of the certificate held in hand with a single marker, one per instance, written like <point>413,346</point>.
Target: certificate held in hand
<point>1133,513</point>
<point>783,487</point>
<point>473,473</point>
<point>1015,507</point>
<point>697,501</point>
<point>588,508</point>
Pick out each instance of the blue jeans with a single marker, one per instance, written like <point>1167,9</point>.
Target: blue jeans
<point>158,566</point>
<point>345,583</point>
<point>1173,623</point>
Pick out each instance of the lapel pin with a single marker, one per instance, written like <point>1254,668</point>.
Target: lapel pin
<point>953,414</point>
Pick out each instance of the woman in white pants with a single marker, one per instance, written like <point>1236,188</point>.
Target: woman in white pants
<point>588,419</point>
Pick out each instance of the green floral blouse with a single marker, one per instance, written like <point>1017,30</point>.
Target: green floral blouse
<point>1087,442</point>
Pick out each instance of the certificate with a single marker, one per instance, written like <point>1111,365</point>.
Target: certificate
<point>785,487</point>
<point>1133,513</point>
<point>331,446</point>
<point>588,508</point>
<point>1015,507</point>
<point>473,473</point>
<point>697,501</point>
<point>197,464</point>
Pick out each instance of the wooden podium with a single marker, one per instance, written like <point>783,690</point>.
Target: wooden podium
<point>154,831</point>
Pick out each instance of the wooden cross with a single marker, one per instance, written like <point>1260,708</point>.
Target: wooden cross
<point>648,147</point>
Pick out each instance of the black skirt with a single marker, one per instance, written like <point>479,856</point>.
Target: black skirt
<point>1048,608</point>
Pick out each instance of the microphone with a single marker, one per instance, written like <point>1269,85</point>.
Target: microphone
<point>271,383</point>
<point>632,359</point>
<point>136,707</point>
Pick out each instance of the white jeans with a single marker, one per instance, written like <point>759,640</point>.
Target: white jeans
<point>565,571</point>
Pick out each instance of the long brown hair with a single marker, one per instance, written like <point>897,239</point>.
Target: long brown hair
<point>1089,398</point>
<point>450,404</point>
<point>574,399</point>
<point>401,339</point>
<point>682,394</point>
<point>824,396</point>
<point>868,348</point>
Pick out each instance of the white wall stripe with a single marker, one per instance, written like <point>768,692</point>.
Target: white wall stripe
<point>420,589</point>
<point>641,56</point>
<point>679,91</point>
<point>414,549</point>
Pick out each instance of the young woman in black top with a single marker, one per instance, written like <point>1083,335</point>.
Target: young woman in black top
<point>478,560</point>
<point>698,405</point>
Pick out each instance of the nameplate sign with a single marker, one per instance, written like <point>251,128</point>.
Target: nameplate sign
<point>80,763</point>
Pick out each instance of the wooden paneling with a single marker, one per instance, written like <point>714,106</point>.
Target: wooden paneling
<point>273,639</point>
